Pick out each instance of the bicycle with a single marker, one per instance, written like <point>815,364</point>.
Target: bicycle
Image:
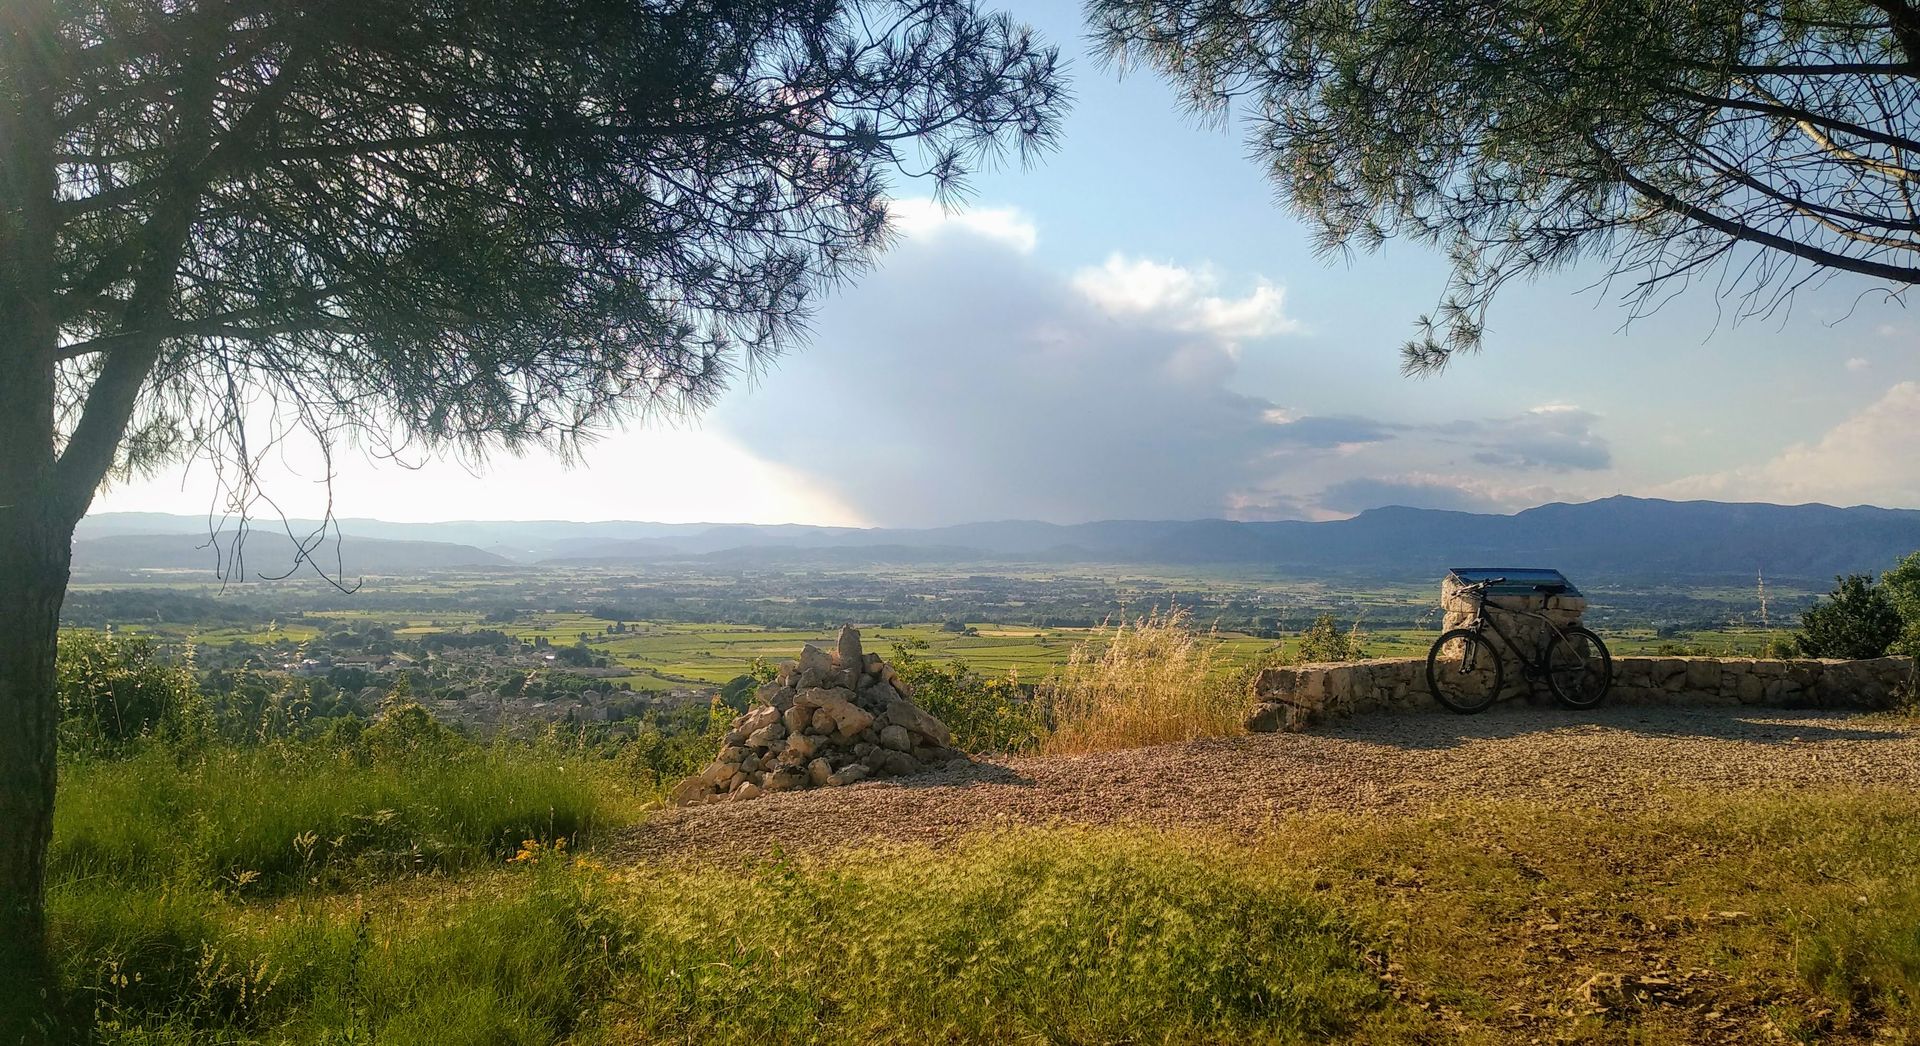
<point>1573,661</point>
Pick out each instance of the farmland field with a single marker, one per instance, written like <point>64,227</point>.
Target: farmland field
<point>695,630</point>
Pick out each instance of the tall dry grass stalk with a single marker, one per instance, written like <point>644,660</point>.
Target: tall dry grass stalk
<point>1155,680</point>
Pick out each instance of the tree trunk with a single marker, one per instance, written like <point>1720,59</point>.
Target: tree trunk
<point>33,579</point>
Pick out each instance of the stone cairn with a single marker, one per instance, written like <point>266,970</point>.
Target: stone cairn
<point>827,719</point>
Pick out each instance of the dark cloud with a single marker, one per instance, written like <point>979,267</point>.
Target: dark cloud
<point>1323,432</point>
<point>1556,439</point>
<point>964,382</point>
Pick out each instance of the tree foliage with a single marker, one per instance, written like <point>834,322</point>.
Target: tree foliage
<point>1750,146</point>
<point>1902,585</point>
<point>460,223</point>
<point>447,224</point>
<point>1325,641</point>
<point>1859,619</point>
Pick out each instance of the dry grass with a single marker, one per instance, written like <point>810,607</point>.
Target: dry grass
<point>1155,680</point>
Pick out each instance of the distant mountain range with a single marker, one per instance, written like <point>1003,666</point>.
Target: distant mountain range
<point>271,553</point>
<point>1619,536</point>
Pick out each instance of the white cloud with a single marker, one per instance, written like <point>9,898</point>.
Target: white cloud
<point>924,219</point>
<point>1857,364</point>
<point>666,475</point>
<point>1868,458</point>
<point>1185,299</point>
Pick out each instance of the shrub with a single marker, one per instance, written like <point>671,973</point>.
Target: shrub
<point>116,689</point>
<point>1152,681</point>
<point>1902,585</point>
<point>1325,642</point>
<point>1858,620</point>
<point>985,714</point>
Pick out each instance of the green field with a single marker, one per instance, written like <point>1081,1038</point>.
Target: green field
<point>671,654</point>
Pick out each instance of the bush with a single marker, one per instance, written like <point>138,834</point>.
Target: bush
<point>1325,642</point>
<point>115,690</point>
<point>1858,620</point>
<point>1902,585</point>
<point>985,714</point>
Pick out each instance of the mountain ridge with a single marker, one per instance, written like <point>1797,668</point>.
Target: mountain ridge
<point>1615,535</point>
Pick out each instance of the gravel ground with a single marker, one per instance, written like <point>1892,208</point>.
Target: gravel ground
<point>1621,756</point>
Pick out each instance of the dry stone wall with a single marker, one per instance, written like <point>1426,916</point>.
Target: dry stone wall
<point>1297,696</point>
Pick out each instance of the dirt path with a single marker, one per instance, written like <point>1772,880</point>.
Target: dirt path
<point>1614,756</point>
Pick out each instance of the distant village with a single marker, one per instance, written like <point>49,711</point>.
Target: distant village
<point>484,681</point>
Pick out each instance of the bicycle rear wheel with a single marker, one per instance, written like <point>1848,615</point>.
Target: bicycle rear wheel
<point>1464,671</point>
<point>1579,669</point>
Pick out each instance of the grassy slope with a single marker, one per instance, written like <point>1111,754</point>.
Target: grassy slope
<point>1721,915</point>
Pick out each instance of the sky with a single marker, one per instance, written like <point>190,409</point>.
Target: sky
<point>1133,328</point>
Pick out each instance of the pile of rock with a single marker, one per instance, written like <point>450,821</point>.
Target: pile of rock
<point>826,719</point>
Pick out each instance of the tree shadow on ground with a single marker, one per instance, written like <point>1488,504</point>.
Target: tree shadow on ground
<point>1743,724</point>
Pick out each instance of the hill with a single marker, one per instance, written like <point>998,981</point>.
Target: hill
<point>1621,536</point>
<point>271,554</point>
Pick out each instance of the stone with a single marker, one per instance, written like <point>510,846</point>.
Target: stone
<point>774,695</point>
<point>900,763</point>
<point>823,722</point>
<point>732,754</point>
<point>849,719</point>
<point>762,737</point>
<point>854,773</point>
<point>918,720</point>
<point>1702,675</point>
<point>800,746</point>
<point>690,791</point>
<point>892,679</point>
<point>818,772</point>
<point>1266,717</point>
<point>896,737</point>
<point>812,657</point>
<point>850,656</point>
<point>786,779</point>
<point>816,669</point>
<point>748,790</point>
<point>759,718</point>
<point>796,718</point>
<point>720,773</point>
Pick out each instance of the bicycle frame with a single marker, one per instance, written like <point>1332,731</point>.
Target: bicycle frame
<point>1483,622</point>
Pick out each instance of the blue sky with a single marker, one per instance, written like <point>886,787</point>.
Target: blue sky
<point>1134,328</point>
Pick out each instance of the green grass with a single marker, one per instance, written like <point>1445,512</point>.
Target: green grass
<point>1487,922</point>
<point>167,965</point>
<point>277,818</point>
<point>1046,937</point>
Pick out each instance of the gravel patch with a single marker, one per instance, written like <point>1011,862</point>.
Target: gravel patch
<point>1627,757</point>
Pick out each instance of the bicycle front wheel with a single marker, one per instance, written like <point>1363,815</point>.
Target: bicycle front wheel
<point>1464,671</point>
<point>1579,669</point>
